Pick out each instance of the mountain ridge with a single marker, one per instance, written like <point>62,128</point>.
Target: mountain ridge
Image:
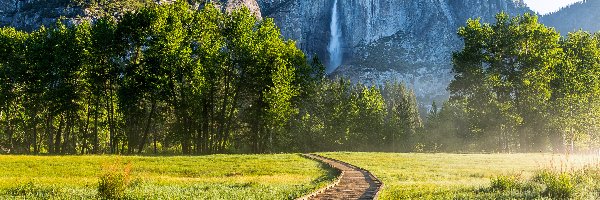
<point>382,40</point>
<point>582,15</point>
<point>408,41</point>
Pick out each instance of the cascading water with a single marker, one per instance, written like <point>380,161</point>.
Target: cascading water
<point>334,48</point>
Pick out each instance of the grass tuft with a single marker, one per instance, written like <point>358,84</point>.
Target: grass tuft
<point>115,179</point>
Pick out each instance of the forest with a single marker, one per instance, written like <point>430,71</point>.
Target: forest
<point>172,79</point>
<point>176,80</point>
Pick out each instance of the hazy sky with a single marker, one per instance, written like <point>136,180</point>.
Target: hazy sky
<point>546,6</point>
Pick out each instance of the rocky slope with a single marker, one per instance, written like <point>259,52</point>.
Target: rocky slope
<point>582,15</point>
<point>31,14</point>
<point>410,41</point>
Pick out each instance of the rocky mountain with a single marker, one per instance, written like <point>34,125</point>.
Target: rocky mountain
<point>582,15</point>
<point>410,41</point>
<point>380,40</point>
<point>31,14</point>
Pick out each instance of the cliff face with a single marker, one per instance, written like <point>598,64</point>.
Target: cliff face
<point>410,41</point>
<point>307,22</point>
<point>31,14</point>
<point>252,5</point>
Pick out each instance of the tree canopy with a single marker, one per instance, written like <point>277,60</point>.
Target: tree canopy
<point>176,79</point>
<point>523,87</point>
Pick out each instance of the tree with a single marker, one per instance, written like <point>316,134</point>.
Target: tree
<point>369,110</point>
<point>402,119</point>
<point>12,60</point>
<point>173,78</point>
<point>576,88</point>
<point>504,74</point>
<point>101,77</point>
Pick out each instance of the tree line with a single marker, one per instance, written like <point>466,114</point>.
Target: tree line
<point>180,80</point>
<point>520,87</point>
<point>176,79</point>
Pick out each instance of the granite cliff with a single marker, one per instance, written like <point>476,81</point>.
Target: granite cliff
<point>410,41</point>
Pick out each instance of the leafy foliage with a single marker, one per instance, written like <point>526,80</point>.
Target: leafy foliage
<point>172,78</point>
<point>521,87</point>
<point>345,116</point>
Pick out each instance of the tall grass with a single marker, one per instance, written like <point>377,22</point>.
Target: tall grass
<point>479,176</point>
<point>284,176</point>
<point>115,179</point>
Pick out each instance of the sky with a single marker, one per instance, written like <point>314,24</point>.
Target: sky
<point>546,6</point>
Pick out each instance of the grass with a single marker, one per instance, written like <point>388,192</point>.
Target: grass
<point>287,176</point>
<point>470,176</point>
<point>282,176</point>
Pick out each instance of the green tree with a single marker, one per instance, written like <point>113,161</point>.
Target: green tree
<point>576,88</point>
<point>12,60</point>
<point>368,119</point>
<point>101,77</point>
<point>403,120</point>
<point>504,74</point>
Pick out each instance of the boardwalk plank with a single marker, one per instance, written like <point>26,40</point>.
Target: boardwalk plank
<point>353,183</point>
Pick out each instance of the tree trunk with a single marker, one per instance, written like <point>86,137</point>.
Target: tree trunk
<point>58,138</point>
<point>67,138</point>
<point>185,143</point>
<point>96,142</point>
<point>34,132</point>
<point>205,127</point>
<point>110,108</point>
<point>8,129</point>
<point>48,132</point>
<point>84,147</point>
<point>147,128</point>
<point>154,137</point>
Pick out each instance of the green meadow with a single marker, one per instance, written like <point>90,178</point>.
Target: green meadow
<point>479,176</point>
<point>284,176</point>
<point>289,176</point>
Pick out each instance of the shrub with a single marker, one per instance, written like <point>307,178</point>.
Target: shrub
<point>504,183</point>
<point>115,179</point>
<point>558,185</point>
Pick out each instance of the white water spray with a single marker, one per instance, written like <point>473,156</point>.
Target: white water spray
<point>334,48</point>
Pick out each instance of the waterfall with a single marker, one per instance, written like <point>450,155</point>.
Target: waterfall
<point>334,48</point>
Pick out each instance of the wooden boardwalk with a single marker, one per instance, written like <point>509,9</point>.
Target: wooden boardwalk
<point>353,182</point>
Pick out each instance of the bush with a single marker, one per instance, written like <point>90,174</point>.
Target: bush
<point>115,179</point>
<point>558,185</point>
<point>505,183</point>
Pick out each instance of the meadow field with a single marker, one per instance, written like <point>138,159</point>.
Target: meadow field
<point>284,176</point>
<point>288,176</point>
<point>479,176</point>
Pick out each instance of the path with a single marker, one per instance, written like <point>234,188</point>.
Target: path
<point>353,182</point>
